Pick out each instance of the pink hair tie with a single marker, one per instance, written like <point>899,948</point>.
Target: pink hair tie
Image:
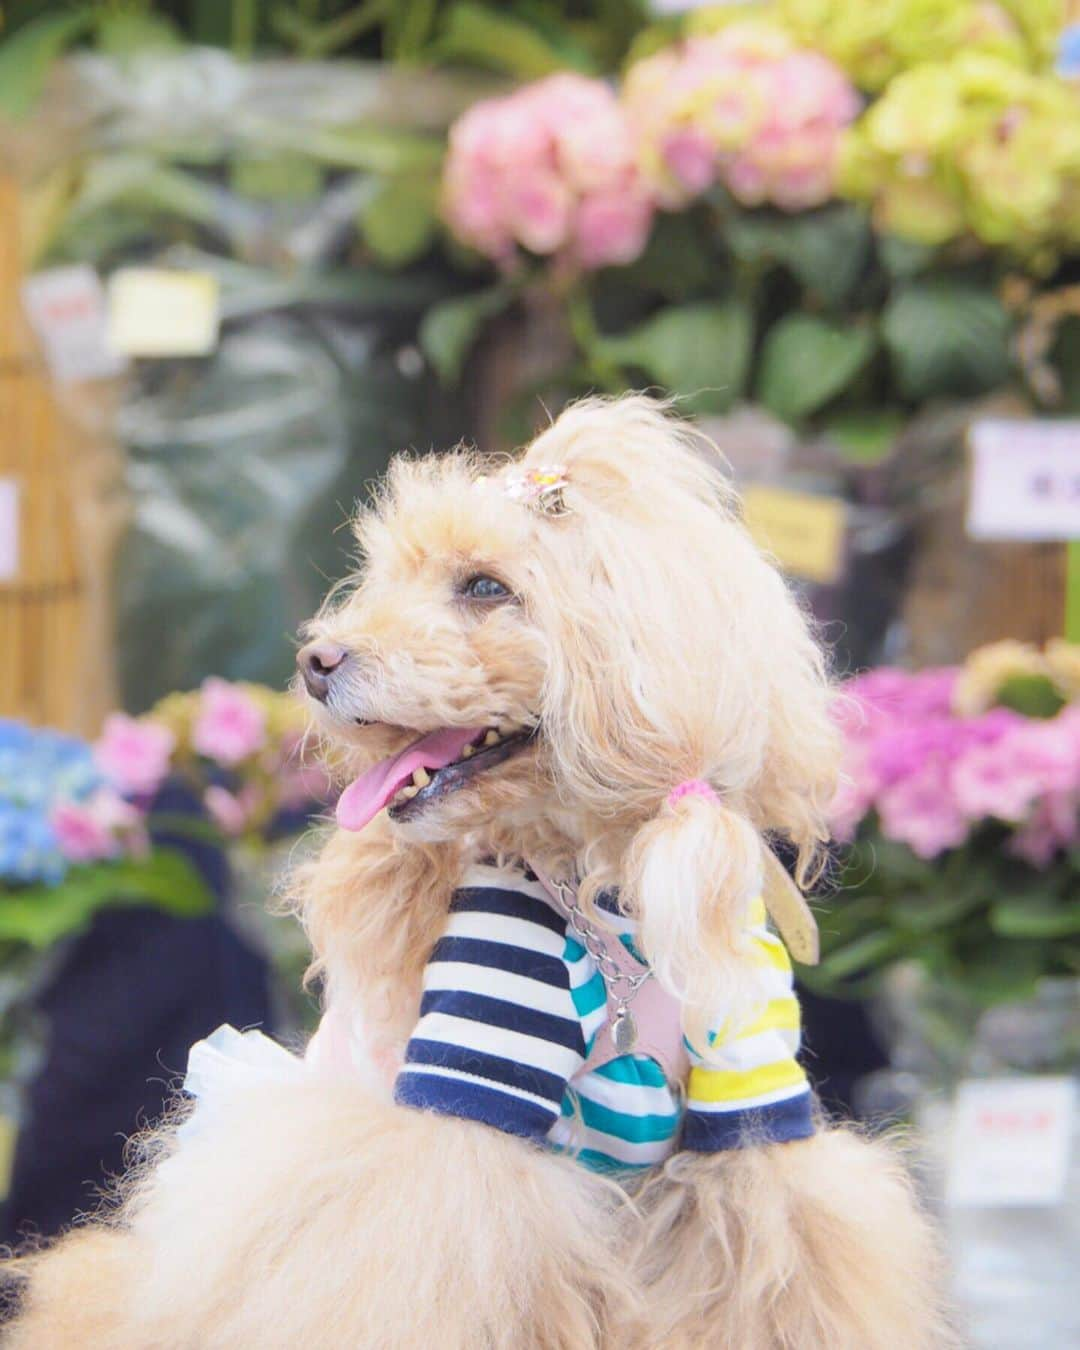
<point>693,787</point>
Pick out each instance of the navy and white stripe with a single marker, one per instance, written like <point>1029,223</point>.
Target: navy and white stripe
<point>511,1005</point>
<point>499,1036</point>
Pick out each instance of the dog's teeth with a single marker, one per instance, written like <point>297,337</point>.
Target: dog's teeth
<point>421,777</point>
<point>409,791</point>
<point>470,750</point>
<point>492,738</point>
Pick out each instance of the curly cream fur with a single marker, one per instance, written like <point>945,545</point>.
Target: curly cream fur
<point>653,643</point>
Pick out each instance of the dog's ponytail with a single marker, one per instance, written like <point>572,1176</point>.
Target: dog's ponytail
<point>693,872</point>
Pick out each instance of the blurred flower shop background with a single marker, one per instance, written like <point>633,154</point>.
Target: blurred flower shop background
<point>249,250</point>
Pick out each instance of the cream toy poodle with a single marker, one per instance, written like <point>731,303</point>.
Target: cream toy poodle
<point>554,1100</point>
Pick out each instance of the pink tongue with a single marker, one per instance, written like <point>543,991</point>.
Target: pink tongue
<point>365,798</point>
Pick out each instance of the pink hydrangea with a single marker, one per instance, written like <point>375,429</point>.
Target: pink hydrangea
<point>134,753</point>
<point>745,107</point>
<point>101,826</point>
<point>1054,825</point>
<point>230,811</point>
<point>230,726</point>
<point>1003,779</point>
<point>933,776</point>
<point>920,811</point>
<point>551,168</point>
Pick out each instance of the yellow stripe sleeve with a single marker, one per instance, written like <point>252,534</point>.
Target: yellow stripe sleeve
<point>740,1085</point>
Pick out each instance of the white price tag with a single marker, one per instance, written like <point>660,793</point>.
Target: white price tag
<point>9,529</point>
<point>157,312</point>
<point>1011,1140</point>
<point>1025,480</point>
<point>66,309</point>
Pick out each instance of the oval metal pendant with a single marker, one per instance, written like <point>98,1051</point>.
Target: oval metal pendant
<point>624,1031</point>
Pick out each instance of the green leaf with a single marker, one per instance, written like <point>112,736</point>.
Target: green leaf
<point>1065,356</point>
<point>825,250</point>
<point>865,437</point>
<point>41,915</point>
<point>122,32</point>
<point>400,219</point>
<point>166,879</point>
<point>904,258</point>
<point>25,58</point>
<point>449,329</point>
<point>894,863</point>
<point>1002,969</point>
<point>924,912</point>
<point>699,352</point>
<point>1036,915</point>
<point>495,40</point>
<point>947,337</point>
<point>676,262</point>
<point>382,150</point>
<point>807,361</point>
<point>865,954</point>
<point>1034,696</point>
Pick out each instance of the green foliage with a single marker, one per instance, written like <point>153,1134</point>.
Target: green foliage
<point>676,263</point>
<point>699,352</point>
<point>38,916</point>
<point>484,36</point>
<point>825,250</point>
<point>1032,695</point>
<point>120,32</point>
<point>25,57</point>
<point>980,922</point>
<point>946,336</point>
<point>865,436</point>
<point>807,361</point>
<point>450,328</point>
<point>400,220</point>
<point>904,258</point>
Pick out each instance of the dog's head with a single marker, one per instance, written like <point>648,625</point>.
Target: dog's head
<point>563,639</point>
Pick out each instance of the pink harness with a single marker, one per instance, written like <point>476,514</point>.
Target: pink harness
<point>656,1013</point>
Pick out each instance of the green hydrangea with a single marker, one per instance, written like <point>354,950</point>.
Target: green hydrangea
<point>974,145</point>
<point>875,40</point>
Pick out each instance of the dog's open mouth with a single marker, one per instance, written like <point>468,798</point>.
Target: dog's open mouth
<point>431,767</point>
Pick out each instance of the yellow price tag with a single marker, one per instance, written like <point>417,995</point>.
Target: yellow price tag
<point>804,532</point>
<point>156,312</point>
<point>8,1134</point>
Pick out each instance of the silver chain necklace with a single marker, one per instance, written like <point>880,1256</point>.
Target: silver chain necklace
<point>620,986</point>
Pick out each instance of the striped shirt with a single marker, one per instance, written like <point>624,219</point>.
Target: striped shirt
<point>511,1005</point>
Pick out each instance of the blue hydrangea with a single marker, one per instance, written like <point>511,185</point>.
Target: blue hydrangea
<point>37,769</point>
<point>1068,58</point>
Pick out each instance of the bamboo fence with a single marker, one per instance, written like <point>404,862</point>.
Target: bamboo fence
<point>55,634</point>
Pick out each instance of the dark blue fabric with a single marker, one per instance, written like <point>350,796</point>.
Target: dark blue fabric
<point>500,956</point>
<point>509,904</point>
<point>779,1123</point>
<point>494,1067</point>
<point>472,1101</point>
<point>497,1012</point>
<point>130,997</point>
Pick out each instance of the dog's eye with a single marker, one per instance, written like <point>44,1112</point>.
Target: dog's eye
<point>484,588</point>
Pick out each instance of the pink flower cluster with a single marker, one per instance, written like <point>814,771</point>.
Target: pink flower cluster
<point>100,826</point>
<point>745,107</point>
<point>551,168</point>
<point>134,755</point>
<point>932,777</point>
<point>230,726</point>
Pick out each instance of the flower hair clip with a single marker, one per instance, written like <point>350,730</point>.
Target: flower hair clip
<point>540,488</point>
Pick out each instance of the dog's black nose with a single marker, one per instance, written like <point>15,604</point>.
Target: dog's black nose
<point>317,662</point>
